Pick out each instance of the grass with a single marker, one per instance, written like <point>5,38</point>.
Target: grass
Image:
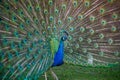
<point>72,72</point>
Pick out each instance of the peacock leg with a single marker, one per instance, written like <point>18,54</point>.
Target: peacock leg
<point>54,75</point>
<point>45,76</point>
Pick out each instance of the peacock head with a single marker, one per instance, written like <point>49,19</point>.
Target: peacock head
<point>64,37</point>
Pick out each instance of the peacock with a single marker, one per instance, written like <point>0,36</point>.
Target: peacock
<point>36,35</point>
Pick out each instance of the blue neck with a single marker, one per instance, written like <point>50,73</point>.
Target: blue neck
<point>59,55</point>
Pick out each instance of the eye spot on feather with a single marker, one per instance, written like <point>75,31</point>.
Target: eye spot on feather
<point>63,6</point>
<point>50,2</point>
<point>80,39</point>
<point>75,3</point>
<point>92,18</point>
<point>37,8</point>
<point>56,11</point>
<point>96,45</point>
<point>86,3</point>
<point>59,22</point>
<point>69,37</point>
<point>71,29</point>
<point>110,41</point>
<point>51,18</point>
<point>113,29</point>
<point>115,16</point>
<point>101,36</point>
<point>71,51</point>
<point>101,53</point>
<point>45,11</point>
<point>102,10</point>
<point>103,22</point>
<point>91,31</point>
<point>82,29</point>
<point>80,17</point>
<point>89,40</point>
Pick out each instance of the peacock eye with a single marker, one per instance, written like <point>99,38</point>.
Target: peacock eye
<point>59,22</point>
<point>51,18</point>
<point>50,2</point>
<point>45,11</point>
<point>63,6</point>
<point>75,3</point>
<point>113,28</point>
<point>56,11</point>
